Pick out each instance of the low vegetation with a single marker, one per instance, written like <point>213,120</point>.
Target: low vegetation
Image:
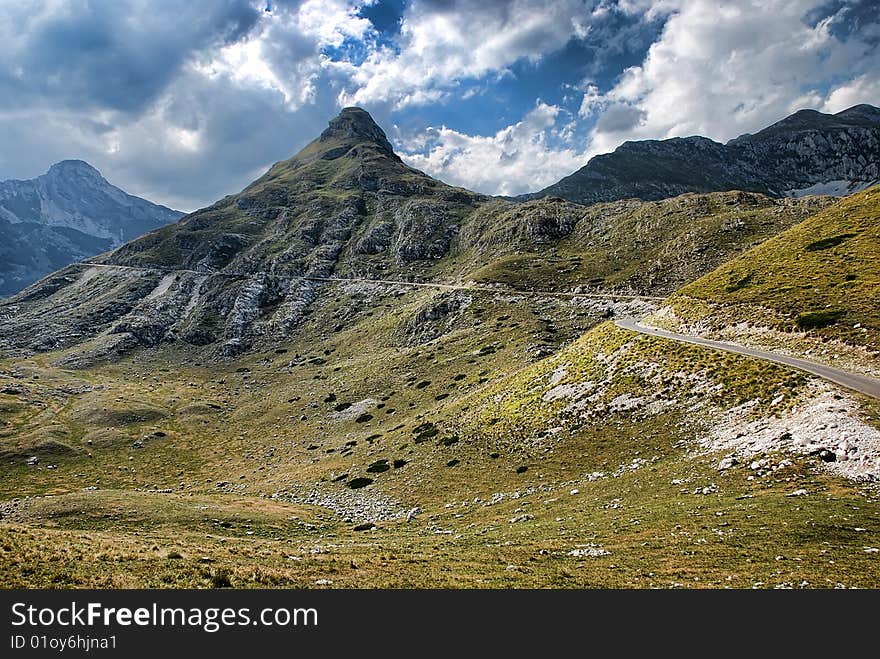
<point>820,276</point>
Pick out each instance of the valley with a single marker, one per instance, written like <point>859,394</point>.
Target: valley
<point>351,375</point>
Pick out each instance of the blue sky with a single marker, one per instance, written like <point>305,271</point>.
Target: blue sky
<point>184,101</point>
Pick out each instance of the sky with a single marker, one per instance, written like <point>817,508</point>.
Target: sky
<point>185,101</point>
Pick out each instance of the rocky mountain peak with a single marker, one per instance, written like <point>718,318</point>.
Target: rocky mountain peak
<point>67,214</point>
<point>356,125</point>
<point>67,169</point>
<point>808,152</point>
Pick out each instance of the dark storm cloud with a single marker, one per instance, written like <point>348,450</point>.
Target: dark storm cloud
<point>116,55</point>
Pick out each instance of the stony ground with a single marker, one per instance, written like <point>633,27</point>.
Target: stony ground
<point>375,457</point>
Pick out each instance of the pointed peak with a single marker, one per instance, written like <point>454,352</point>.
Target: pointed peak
<point>355,124</point>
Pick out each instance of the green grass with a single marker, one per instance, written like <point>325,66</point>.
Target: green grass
<point>615,362</point>
<point>174,460</point>
<point>822,275</point>
<point>653,247</point>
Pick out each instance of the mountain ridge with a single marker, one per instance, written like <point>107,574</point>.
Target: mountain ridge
<point>347,207</point>
<point>233,425</point>
<point>807,152</point>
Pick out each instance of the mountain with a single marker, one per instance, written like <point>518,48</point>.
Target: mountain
<point>806,153</point>
<point>246,272</point>
<point>69,213</point>
<point>352,375</point>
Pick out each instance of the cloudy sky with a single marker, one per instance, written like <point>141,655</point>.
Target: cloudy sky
<point>184,101</point>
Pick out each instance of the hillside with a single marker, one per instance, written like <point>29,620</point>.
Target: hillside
<point>632,246</point>
<point>368,458</point>
<point>246,272</point>
<point>812,288</point>
<point>806,153</point>
<point>194,413</point>
<point>69,213</point>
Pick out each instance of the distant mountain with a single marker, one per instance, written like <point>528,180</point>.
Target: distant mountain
<point>69,213</point>
<point>806,153</point>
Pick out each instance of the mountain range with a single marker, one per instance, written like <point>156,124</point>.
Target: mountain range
<point>351,374</point>
<point>65,215</point>
<point>806,153</point>
<point>247,267</point>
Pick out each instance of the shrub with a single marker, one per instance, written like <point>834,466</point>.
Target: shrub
<point>826,243</point>
<point>818,319</point>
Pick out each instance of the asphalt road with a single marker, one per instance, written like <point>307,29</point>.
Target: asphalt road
<point>861,383</point>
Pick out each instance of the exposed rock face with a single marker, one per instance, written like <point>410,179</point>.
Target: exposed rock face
<point>806,153</point>
<point>355,124</point>
<point>238,272</point>
<point>67,214</point>
<point>247,271</point>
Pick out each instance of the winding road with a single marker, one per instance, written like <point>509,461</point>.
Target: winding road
<point>485,288</point>
<point>861,383</point>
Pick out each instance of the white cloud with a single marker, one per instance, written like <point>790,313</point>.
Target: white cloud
<point>514,160</point>
<point>284,52</point>
<point>592,101</point>
<point>443,43</point>
<point>724,69</point>
<point>333,21</point>
<point>186,101</point>
<point>864,89</point>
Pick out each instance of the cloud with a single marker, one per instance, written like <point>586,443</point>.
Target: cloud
<point>184,101</point>
<point>518,158</point>
<point>442,42</point>
<point>619,117</point>
<point>116,55</point>
<point>864,89</point>
<point>592,101</point>
<point>285,51</point>
<point>721,70</point>
<point>181,102</point>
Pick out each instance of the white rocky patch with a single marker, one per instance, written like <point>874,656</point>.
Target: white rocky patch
<point>351,505</point>
<point>194,299</point>
<point>588,551</point>
<point>825,423</point>
<point>355,410</point>
<point>626,402</point>
<point>162,287</point>
<point>839,188</point>
<point>571,390</point>
<point>558,375</point>
<point>86,277</point>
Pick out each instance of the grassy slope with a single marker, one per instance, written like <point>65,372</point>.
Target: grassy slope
<point>652,247</point>
<point>160,516</point>
<point>822,276</point>
<point>184,456</point>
